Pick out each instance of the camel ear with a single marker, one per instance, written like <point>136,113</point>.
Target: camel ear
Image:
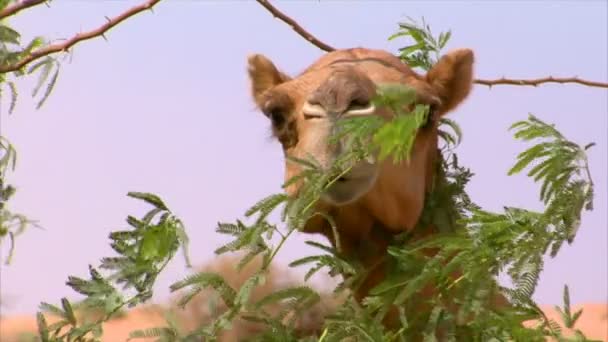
<point>263,76</point>
<point>452,78</point>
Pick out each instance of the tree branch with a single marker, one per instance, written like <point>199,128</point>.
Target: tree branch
<point>502,81</point>
<point>538,81</point>
<point>59,47</point>
<point>18,6</point>
<point>295,26</point>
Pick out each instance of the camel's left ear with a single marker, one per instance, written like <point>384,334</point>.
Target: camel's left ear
<point>452,78</point>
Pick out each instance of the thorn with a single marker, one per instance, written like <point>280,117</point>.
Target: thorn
<point>152,10</point>
<point>103,35</point>
<point>107,18</point>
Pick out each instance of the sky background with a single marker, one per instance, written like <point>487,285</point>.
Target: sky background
<point>163,106</point>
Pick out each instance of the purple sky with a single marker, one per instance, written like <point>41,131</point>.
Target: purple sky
<point>164,107</point>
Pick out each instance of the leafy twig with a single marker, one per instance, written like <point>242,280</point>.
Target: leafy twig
<point>66,45</point>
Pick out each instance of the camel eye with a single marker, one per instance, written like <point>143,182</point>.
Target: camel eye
<point>276,116</point>
<point>277,109</point>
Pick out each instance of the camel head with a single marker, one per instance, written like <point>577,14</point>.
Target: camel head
<point>304,112</point>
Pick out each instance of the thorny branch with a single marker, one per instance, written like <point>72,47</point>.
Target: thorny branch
<point>538,81</point>
<point>502,81</point>
<point>54,48</point>
<point>66,45</point>
<point>18,6</point>
<point>295,26</point>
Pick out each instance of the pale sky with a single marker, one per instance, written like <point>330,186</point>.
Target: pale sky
<point>163,106</point>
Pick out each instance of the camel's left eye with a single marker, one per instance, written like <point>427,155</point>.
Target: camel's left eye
<point>277,117</point>
<point>277,109</point>
<point>275,113</point>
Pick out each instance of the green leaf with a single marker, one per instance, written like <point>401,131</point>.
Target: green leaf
<point>43,329</point>
<point>33,67</point>
<point>48,89</point>
<point>398,34</point>
<point>206,279</point>
<point>266,206</point>
<point>14,95</point>
<point>444,38</point>
<point>47,66</point>
<point>245,291</point>
<point>8,35</point>
<point>153,332</point>
<point>33,44</point>
<point>525,158</point>
<point>52,309</point>
<point>454,127</point>
<point>149,198</point>
<point>397,137</point>
<point>410,49</point>
<point>575,318</point>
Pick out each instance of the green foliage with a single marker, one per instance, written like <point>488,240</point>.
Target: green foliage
<point>559,160</point>
<point>143,252</point>
<point>562,167</point>
<point>479,242</point>
<point>12,51</point>
<point>425,51</point>
<point>397,137</point>
<point>11,224</point>
<point>474,242</point>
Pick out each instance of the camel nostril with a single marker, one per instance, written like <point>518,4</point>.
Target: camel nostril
<point>360,106</point>
<point>358,103</point>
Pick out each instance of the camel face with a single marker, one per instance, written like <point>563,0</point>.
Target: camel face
<point>343,92</point>
<point>305,112</point>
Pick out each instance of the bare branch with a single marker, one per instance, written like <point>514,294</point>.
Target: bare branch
<point>66,45</point>
<point>538,81</point>
<point>18,6</point>
<point>503,81</point>
<point>295,26</point>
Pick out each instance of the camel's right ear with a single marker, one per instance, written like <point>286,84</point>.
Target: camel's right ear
<point>263,76</point>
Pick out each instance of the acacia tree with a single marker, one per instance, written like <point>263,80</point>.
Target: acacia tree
<point>514,240</point>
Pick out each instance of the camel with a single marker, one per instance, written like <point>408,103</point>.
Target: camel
<point>375,200</point>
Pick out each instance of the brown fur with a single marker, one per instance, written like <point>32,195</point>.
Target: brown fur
<point>343,79</point>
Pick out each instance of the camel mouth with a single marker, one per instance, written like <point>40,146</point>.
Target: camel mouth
<point>352,186</point>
